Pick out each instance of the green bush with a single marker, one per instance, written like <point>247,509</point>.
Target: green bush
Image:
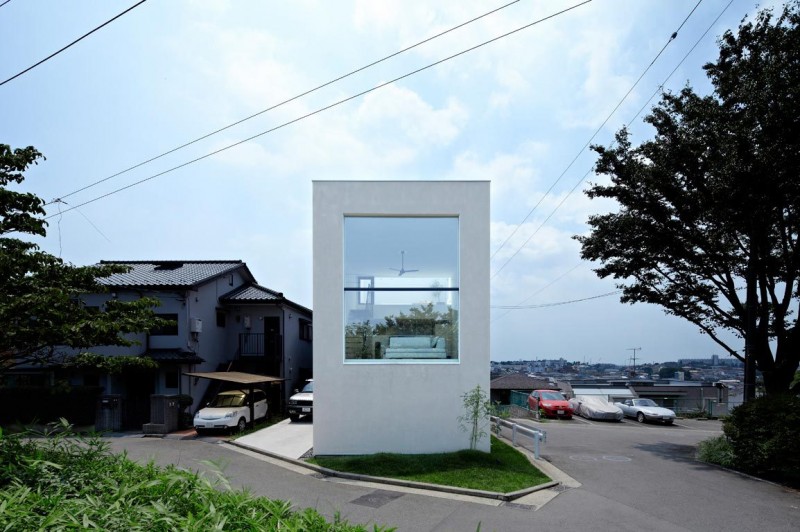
<point>763,435</point>
<point>61,482</point>
<point>716,451</point>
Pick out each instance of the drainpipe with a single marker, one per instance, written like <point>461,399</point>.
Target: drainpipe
<point>283,351</point>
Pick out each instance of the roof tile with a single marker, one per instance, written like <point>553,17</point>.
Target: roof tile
<point>168,272</point>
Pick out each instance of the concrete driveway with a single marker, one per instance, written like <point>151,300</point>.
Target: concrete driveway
<point>287,438</point>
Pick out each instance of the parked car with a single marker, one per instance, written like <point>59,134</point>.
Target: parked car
<point>549,403</point>
<point>594,407</point>
<point>302,402</point>
<point>230,410</point>
<point>646,410</point>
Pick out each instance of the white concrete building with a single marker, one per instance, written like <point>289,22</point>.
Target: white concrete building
<point>401,312</point>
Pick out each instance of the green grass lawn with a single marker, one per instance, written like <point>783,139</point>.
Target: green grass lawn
<point>504,469</point>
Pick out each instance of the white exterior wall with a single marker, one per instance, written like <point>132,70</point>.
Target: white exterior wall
<point>397,407</point>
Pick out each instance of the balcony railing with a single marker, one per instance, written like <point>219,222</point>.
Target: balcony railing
<point>251,344</point>
<point>258,344</point>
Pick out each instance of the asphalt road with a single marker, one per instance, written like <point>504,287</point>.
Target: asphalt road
<point>631,476</point>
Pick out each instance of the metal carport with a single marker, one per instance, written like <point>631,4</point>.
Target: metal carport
<point>238,377</point>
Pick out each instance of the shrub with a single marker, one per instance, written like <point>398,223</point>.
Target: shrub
<point>716,451</point>
<point>763,434</point>
<point>58,481</point>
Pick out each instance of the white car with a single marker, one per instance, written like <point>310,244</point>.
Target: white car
<point>646,410</point>
<point>594,407</point>
<point>302,402</point>
<point>230,410</point>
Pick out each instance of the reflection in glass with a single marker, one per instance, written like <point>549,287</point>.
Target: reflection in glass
<point>401,288</point>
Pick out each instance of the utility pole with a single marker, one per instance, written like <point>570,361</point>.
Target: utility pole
<point>634,349</point>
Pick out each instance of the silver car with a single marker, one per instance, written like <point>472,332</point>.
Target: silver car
<point>646,410</point>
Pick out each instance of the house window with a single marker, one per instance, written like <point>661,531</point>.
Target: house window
<point>305,330</point>
<point>170,329</point>
<point>220,318</point>
<point>401,288</point>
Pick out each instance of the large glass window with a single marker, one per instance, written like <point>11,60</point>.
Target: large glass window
<point>401,288</point>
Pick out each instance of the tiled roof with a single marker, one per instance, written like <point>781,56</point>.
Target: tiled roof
<point>520,382</point>
<point>254,294</point>
<point>169,273</point>
<point>251,293</point>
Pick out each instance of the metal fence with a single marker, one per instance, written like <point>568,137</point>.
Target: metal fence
<point>520,435</point>
<point>704,406</point>
<point>519,399</point>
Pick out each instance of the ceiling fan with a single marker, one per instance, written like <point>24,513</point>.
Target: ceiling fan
<point>402,269</point>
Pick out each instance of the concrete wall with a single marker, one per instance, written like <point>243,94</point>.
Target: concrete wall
<point>407,406</point>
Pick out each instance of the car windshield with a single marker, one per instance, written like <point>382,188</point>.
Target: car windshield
<point>308,388</point>
<point>553,396</point>
<point>644,402</point>
<point>227,400</point>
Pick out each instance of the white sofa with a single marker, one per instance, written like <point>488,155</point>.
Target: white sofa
<point>416,347</point>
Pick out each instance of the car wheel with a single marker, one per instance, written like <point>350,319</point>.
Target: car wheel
<point>294,417</point>
<point>640,417</point>
<point>668,422</point>
<point>241,425</point>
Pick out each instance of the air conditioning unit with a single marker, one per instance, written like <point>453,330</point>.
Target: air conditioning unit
<point>195,325</point>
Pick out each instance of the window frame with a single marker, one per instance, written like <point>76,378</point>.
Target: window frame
<point>366,297</point>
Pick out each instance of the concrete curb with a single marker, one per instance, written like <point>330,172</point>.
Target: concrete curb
<point>401,483</point>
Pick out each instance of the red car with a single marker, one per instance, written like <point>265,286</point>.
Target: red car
<point>549,403</point>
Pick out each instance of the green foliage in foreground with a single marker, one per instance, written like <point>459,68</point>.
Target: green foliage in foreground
<point>64,482</point>
<point>503,470</point>
<point>760,439</point>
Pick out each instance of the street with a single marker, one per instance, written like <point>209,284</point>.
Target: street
<point>632,477</point>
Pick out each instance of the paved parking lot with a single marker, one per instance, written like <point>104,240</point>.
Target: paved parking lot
<point>651,468</point>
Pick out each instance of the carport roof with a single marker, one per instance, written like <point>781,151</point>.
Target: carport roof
<point>235,376</point>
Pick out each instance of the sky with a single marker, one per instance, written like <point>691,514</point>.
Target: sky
<point>518,111</point>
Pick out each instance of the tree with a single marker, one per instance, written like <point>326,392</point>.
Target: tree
<point>708,223</point>
<point>42,317</point>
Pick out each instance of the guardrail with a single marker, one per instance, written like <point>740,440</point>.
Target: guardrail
<point>538,436</point>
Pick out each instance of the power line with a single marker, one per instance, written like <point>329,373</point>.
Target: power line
<point>539,291</point>
<point>543,305</point>
<point>658,89</point>
<point>588,142</point>
<point>73,42</point>
<point>327,107</point>
<point>581,180</point>
<point>4,3</point>
<point>284,102</point>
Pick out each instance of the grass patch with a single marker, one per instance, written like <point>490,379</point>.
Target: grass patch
<point>504,469</point>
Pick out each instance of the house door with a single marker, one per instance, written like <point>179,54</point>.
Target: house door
<point>273,346</point>
<point>139,385</point>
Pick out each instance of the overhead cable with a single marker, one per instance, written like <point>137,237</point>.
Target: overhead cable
<point>322,109</point>
<point>588,142</point>
<point>73,42</point>
<point>588,172</point>
<point>543,305</point>
<point>284,102</point>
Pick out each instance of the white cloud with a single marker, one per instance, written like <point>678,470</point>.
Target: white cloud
<point>394,108</point>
